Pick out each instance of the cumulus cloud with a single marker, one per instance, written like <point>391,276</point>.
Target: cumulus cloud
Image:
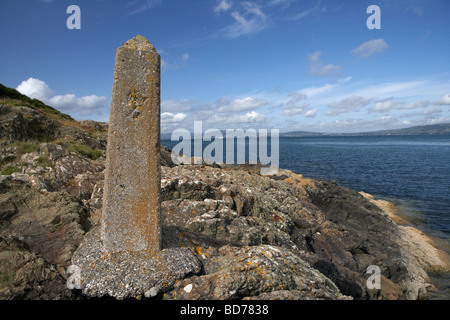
<point>370,47</point>
<point>317,68</point>
<point>35,89</point>
<point>445,100</point>
<point>386,105</point>
<point>85,106</point>
<point>349,104</point>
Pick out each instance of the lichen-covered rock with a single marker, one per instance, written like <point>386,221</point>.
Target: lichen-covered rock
<point>38,235</point>
<point>254,271</point>
<point>130,274</point>
<point>336,230</point>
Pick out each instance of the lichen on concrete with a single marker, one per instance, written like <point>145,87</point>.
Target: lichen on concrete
<point>131,274</point>
<point>131,204</point>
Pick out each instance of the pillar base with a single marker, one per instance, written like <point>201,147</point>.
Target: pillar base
<point>129,274</point>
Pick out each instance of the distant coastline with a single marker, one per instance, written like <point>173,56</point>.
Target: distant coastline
<point>434,129</point>
<point>443,128</point>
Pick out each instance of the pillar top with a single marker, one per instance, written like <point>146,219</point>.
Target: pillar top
<point>138,43</point>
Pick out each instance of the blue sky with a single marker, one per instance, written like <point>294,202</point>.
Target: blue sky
<point>309,65</point>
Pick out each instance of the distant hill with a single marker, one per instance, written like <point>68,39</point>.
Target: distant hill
<point>302,134</point>
<point>443,128</point>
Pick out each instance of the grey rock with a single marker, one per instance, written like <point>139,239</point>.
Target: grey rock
<point>130,274</point>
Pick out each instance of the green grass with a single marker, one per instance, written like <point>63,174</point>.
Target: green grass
<point>80,149</point>
<point>24,147</point>
<point>7,279</point>
<point>10,169</point>
<point>86,151</point>
<point>21,148</point>
<point>7,160</point>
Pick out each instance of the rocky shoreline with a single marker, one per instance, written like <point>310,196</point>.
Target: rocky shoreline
<point>251,237</point>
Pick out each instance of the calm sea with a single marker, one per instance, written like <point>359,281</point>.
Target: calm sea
<point>411,171</point>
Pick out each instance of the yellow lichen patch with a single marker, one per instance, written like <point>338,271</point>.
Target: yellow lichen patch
<point>290,180</point>
<point>199,251</point>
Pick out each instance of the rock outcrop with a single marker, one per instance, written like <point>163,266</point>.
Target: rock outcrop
<point>247,236</point>
<point>38,235</point>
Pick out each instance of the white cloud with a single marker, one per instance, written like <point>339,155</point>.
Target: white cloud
<point>314,10</point>
<point>317,68</point>
<point>416,105</point>
<point>311,113</point>
<point>386,105</point>
<point>390,104</point>
<point>85,106</point>
<point>223,5</point>
<point>249,117</point>
<point>347,105</point>
<point>283,3</point>
<point>409,88</point>
<point>68,103</point>
<point>429,113</point>
<point>248,19</point>
<point>245,120</point>
<point>177,105</point>
<point>292,106</point>
<point>168,117</point>
<point>302,14</point>
<point>35,89</point>
<point>243,104</point>
<point>176,63</point>
<point>292,110</point>
<point>445,100</point>
<point>296,96</point>
<point>139,6</point>
<point>370,47</point>
<point>164,65</point>
<point>346,79</point>
<point>314,91</point>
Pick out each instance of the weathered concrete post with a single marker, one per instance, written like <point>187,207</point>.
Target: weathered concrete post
<point>122,257</point>
<point>131,203</point>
